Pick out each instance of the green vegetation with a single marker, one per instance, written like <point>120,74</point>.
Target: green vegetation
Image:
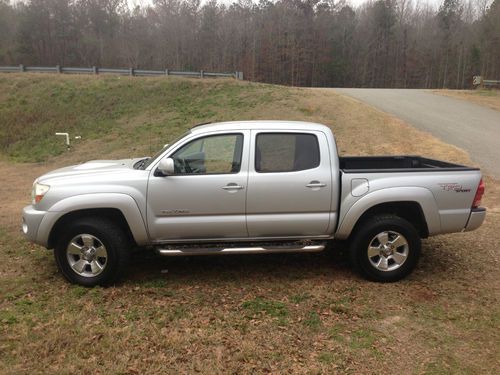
<point>259,306</point>
<point>313,321</point>
<point>299,298</point>
<point>330,358</point>
<point>362,339</point>
<point>119,110</point>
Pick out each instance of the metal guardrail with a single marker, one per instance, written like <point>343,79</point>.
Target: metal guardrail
<point>491,82</point>
<point>127,72</point>
<point>479,81</point>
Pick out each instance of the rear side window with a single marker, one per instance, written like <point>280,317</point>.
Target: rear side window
<point>286,152</point>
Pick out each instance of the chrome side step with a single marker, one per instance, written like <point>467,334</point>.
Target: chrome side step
<point>241,250</point>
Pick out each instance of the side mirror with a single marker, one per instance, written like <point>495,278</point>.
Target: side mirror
<point>166,166</point>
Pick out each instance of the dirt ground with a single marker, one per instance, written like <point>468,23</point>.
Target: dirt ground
<point>295,313</point>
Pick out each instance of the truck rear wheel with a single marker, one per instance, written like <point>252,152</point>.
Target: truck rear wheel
<point>92,251</point>
<point>385,248</point>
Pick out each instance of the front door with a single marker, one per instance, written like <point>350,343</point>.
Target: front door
<point>205,198</point>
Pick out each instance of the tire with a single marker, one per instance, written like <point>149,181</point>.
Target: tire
<point>385,248</point>
<point>92,251</point>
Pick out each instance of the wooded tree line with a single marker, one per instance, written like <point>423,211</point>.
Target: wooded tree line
<point>383,43</point>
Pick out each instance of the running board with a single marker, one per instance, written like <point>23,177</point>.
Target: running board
<point>241,250</point>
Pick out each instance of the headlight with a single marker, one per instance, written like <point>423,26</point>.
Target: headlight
<point>39,190</point>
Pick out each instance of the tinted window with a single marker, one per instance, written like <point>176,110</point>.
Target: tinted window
<point>214,154</point>
<point>286,152</point>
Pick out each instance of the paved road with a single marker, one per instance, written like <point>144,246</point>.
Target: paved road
<point>469,126</point>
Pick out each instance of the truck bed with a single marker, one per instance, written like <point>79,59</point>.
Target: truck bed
<point>404,163</point>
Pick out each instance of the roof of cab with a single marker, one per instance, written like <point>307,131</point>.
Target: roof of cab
<point>258,125</point>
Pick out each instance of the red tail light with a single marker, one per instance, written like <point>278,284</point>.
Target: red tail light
<point>479,195</point>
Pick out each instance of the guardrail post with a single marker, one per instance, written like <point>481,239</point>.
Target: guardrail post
<point>166,72</point>
<point>202,74</point>
<point>21,68</point>
<point>131,71</point>
<point>94,70</point>
<point>58,68</point>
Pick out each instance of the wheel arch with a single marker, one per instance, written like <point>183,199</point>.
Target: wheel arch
<point>414,204</point>
<point>411,211</point>
<point>120,208</point>
<point>112,214</point>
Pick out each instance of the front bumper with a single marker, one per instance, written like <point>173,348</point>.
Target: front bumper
<point>476,218</point>
<point>31,222</point>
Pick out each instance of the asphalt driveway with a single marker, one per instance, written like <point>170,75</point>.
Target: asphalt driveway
<point>469,126</point>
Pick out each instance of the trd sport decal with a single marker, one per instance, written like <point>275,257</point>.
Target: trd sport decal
<point>454,186</point>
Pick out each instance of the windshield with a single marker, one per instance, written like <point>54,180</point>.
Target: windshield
<point>150,160</point>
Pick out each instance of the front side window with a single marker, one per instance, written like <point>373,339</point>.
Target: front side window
<point>215,154</point>
<point>286,152</point>
<point>147,162</point>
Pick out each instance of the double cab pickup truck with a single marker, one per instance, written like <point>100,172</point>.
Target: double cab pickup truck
<point>250,187</point>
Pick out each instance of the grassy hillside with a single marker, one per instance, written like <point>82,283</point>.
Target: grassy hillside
<point>125,116</point>
<point>124,109</point>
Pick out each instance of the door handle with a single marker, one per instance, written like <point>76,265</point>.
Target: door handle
<point>232,187</point>
<point>315,184</point>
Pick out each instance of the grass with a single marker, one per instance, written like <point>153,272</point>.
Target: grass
<point>117,108</point>
<point>296,313</point>
<point>258,308</point>
<point>299,298</point>
<point>313,321</point>
<point>485,97</point>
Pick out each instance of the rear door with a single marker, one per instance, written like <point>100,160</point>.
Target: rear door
<point>289,184</point>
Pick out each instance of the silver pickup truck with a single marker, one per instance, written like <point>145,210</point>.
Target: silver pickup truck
<point>250,187</point>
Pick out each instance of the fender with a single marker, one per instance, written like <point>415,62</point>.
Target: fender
<point>422,196</point>
<point>123,202</point>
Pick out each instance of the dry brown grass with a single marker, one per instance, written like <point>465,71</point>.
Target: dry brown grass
<point>487,98</point>
<point>296,313</point>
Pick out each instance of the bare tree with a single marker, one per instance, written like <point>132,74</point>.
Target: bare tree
<point>382,43</point>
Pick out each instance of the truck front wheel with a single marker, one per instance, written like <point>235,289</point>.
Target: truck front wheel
<point>385,248</point>
<point>92,251</point>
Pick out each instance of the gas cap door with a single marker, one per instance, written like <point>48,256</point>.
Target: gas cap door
<point>359,187</point>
